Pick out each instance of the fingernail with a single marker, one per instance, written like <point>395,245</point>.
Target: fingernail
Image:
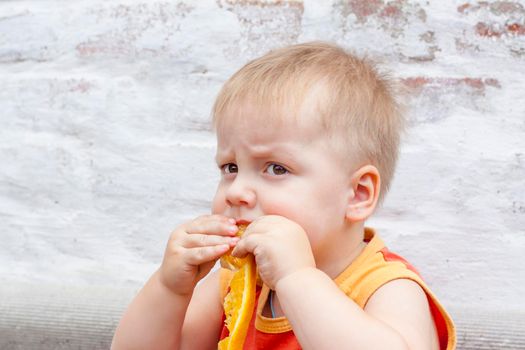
<point>232,229</point>
<point>232,221</point>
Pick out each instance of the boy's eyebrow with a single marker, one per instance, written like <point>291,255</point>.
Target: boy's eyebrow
<point>260,151</point>
<point>219,156</point>
<point>263,151</point>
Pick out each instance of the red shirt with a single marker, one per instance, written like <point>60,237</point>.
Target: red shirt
<point>373,268</point>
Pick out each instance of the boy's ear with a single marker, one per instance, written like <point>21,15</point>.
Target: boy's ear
<point>365,185</point>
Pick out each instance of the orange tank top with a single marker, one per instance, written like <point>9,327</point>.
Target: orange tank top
<point>373,268</point>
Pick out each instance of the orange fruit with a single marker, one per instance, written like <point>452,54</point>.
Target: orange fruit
<point>240,300</point>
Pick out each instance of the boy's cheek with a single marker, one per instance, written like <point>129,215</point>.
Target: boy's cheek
<point>217,209</point>
<point>282,207</point>
<point>218,204</point>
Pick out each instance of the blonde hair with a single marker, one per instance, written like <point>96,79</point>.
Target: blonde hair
<point>355,102</point>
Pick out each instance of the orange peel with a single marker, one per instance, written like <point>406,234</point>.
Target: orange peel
<point>239,302</point>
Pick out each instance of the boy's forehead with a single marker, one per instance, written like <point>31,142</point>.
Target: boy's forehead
<point>268,136</point>
<point>263,124</point>
<point>283,112</point>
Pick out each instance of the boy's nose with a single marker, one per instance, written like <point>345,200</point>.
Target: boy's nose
<point>240,193</point>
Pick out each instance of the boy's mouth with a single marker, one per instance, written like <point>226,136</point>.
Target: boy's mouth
<point>242,222</point>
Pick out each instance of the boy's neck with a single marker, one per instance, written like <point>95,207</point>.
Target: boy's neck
<point>344,251</point>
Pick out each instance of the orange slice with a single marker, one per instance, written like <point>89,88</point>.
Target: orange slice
<point>240,300</point>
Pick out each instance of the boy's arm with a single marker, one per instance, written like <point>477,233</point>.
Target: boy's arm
<point>403,305</point>
<point>396,317</point>
<point>154,318</point>
<point>203,321</point>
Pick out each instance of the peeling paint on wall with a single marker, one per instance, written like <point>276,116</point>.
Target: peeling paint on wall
<point>107,146</point>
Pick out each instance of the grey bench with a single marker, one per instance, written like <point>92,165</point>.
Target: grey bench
<point>61,317</point>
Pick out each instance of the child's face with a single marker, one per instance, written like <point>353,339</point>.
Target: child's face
<point>289,170</point>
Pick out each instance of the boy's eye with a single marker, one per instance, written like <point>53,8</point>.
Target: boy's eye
<point>276,169</point>
<point>229,168</point>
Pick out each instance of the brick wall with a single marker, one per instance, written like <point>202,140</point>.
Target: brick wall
<point>106,147</point>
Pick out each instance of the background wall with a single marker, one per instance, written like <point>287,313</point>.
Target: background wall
<point>105,145</point>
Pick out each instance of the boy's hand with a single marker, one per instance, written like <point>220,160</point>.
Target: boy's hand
<point>193,249</point>
<point>280,246</point>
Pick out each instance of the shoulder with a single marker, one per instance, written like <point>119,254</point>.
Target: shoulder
<point>403,305</point>
<point>390,289</point>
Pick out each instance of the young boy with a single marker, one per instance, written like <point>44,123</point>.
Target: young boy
<point>308,138</point>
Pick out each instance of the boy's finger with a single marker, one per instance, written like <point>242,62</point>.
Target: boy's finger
<point>244,246</point>
<point>201,240</point>
<point>201,255</point>
<point>212,225</point>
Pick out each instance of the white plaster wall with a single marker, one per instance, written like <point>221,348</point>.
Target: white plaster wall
<point>105,144</point>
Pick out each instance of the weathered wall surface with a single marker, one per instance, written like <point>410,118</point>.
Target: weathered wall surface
<point>105,144</point>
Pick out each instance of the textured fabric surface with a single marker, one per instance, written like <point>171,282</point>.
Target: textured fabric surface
<point>46,317</point>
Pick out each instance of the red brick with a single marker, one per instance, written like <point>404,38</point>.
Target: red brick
<point>509,17</point>
<point>394,18</point>
<point>262,3</point>
<point>495,7</point>
<point>516,29</point>
<point>127,24</point>
<point>466,83</point>
<point>506,7</point>
<point>81,86</point>
<point>416,82</point>
<point>391,10</point>
<point>280,20</point>
<point>486,30</point>
<point>463,8</point>
<point>362,8</point>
